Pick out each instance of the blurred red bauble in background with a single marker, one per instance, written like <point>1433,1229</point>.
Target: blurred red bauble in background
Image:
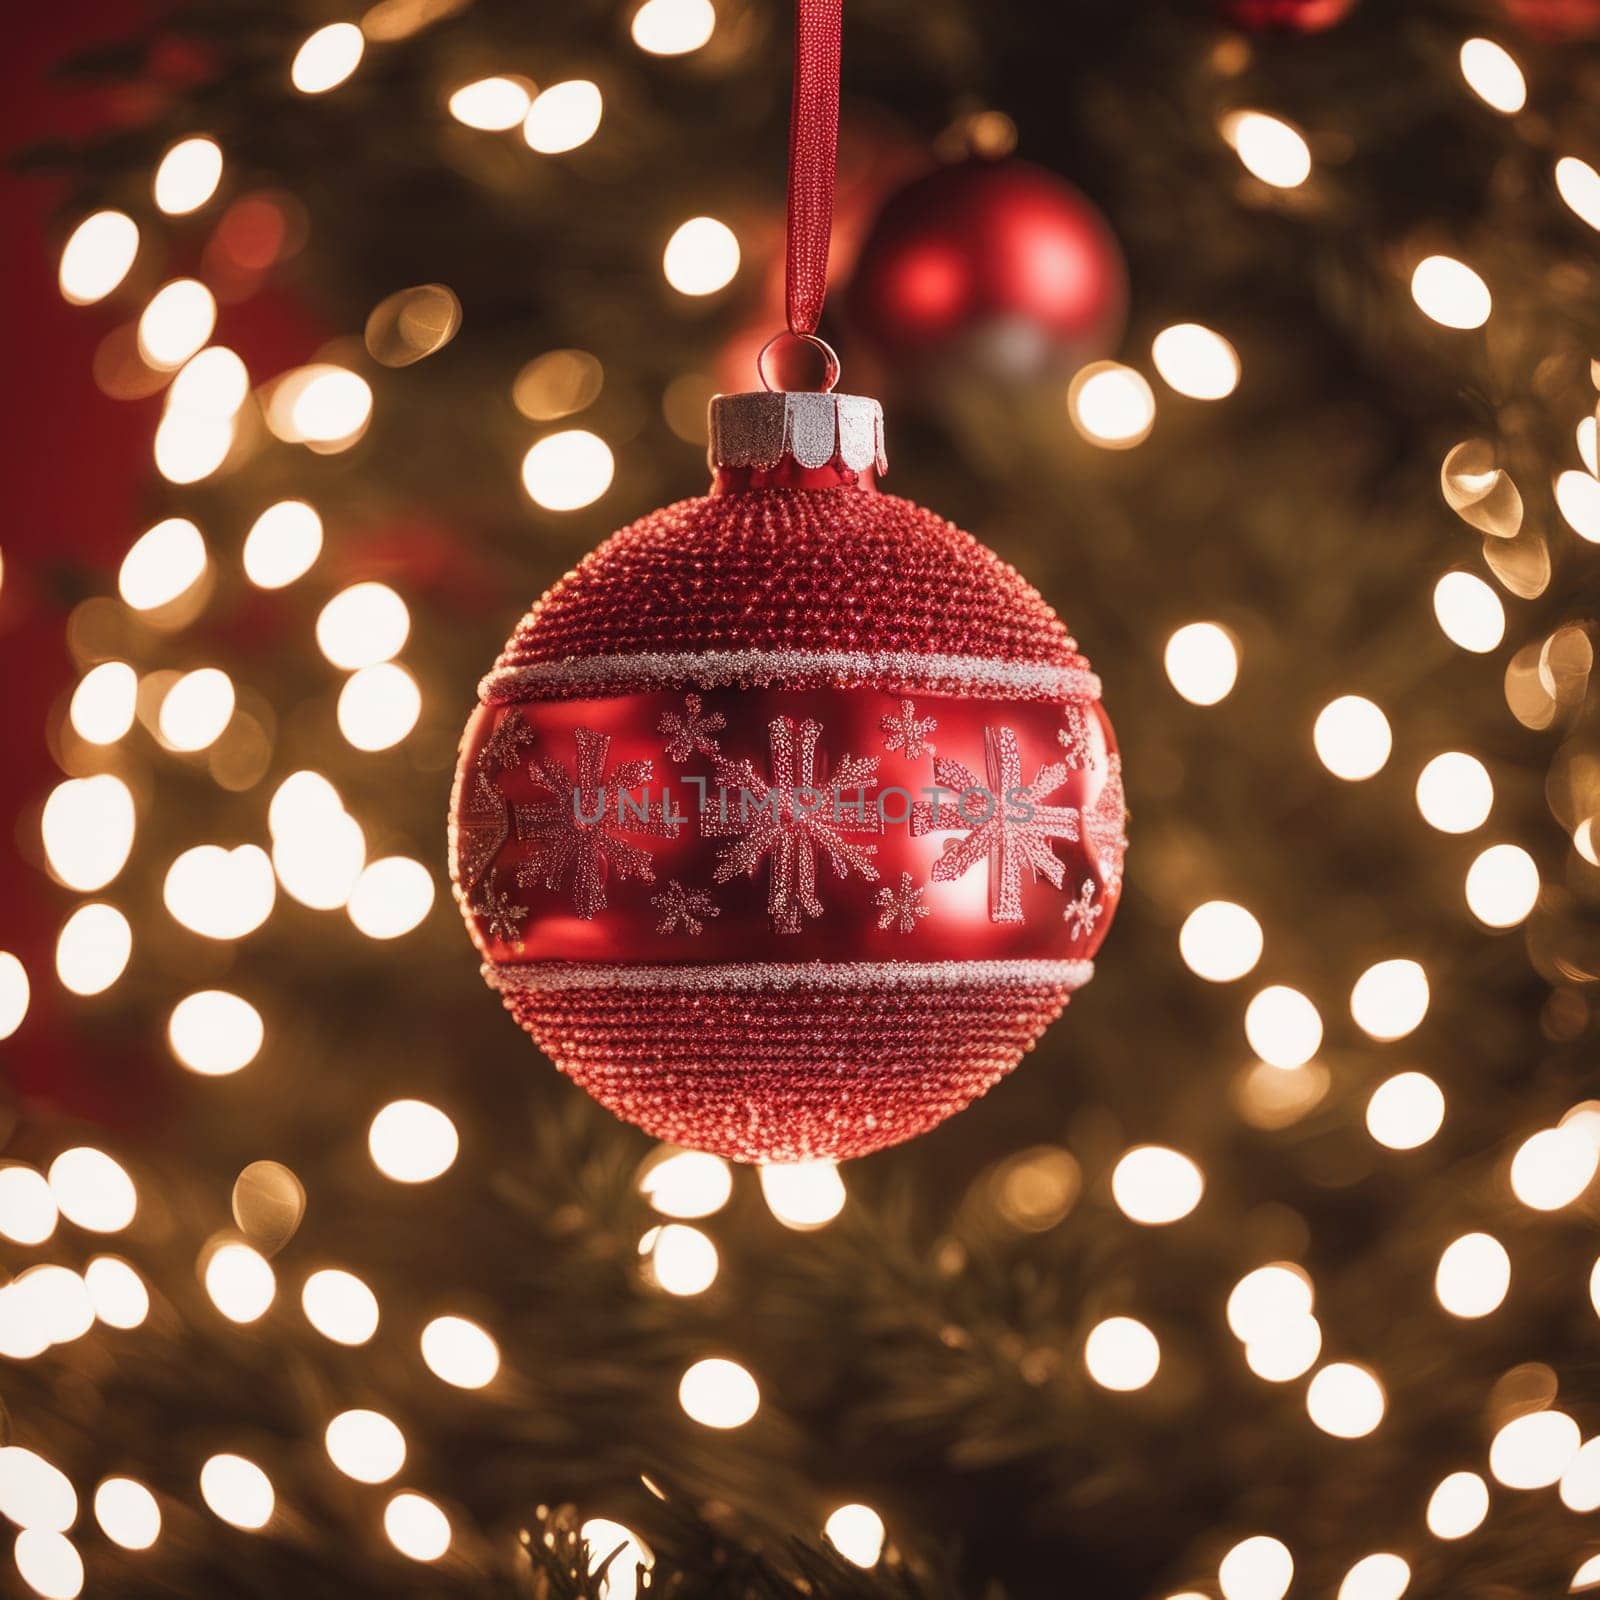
<point>693,836</point>
<point>1287,16</point>
<point>1555,19</point>
<point>998,267</point>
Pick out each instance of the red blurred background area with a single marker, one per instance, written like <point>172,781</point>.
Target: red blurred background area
<point>75,467</point>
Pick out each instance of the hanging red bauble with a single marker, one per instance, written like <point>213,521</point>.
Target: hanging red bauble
<point>996,266</point>
<point>1555,20</point>
<point>693,835</point>
<point>1286,16</point>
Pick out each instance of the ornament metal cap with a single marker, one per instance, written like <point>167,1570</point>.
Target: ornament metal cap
<point>764,429</point>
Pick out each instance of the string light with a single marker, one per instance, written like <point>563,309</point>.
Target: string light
<point>117,1292</point>
<point>687,1184</point>
<point>1220,941</point>
<point>1502,885</point>
<point>492,104</point>
<point>93,949</point>
<point>1196,361</point>
<point>127,1512</point>
<point>1268,148</point>
<point>1283,1026</point>
<point>1473,1275</point>
<point>1494,76</point>
<point>188,176</point>
<point>163,563</point>
<point>1257,1568</point>
<point>718,1394</point>
<point>416,1527</point>
<point>1390,999</point>
<point>804,1195</point>
<point>365,1445</point>
<point>97,256</point>
<point>412,1142</point>
<point>1455,793</point>
<point>857,1533</point>
<point>222,894</point>
<point>1580,1483</point>
<point>680,1259</point>
<point>340,1306</point>
<point>87,827</point>
<point>701,257</point>
<point>27,1208</point>
<point>1451,293</point>
<point>379,706</point>
<point>49,1564</point>
<point>1553,1167</point>
<point>1202,662</point>
<point>1457,1506</point>
<point>215,1033</point>
<point>1286,1350</point>
<point>1382,1576</point>
<point>563,117</point>
<point>283,544</point>
<point>1345,1400</point>
<point>1532,1451</point>
<point>196,709</point>
<point>363,625</point>
<point>391,897</point>
<point>626,1551</point>
<point>14,994</point>
<point>241,1282</point>
<point>460,1352</point>
<point>211,385</point>
<point>1268,1298</point>
<point>1578,501</point>
<point>673,27</point>
<point>1469,611</point>
<point>321,405</point>
<point>103,704</point>
<point>567,471</point>
<point>176,323</point>
<point>92,1190</point>
<point>327,57</point>
<point>1154,1185</point>
<point>1579,185</point>
<point>237,1491</point>
<point>1121,1354</point>
<point>1111,406</point>
<point>1405,1111</point>
<point>1352,738</point>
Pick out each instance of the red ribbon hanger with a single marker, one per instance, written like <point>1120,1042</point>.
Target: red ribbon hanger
<point>813,151</point>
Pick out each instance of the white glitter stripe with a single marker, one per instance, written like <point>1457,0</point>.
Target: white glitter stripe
<point>543,977</point>
<point>715,669</point>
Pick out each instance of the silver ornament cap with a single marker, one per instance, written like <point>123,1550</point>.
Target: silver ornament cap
<point>769,426</point>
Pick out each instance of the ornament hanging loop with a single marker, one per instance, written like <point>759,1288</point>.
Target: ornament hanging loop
<point>830,359</point>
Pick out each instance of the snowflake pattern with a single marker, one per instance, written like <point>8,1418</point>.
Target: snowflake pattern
<point>483,826</point>
<point>901,907</point>
<point>790,818</point>
<point>692,732</point>
<point>1076,738</point>
<point>1013,829</point>
<point>690,907</point>
<point>577,831</point>
<point>1106,824</point>
<point>503,748</point>
<point>500,914</point>
<point>908,733</point>
<point>1082,914</point>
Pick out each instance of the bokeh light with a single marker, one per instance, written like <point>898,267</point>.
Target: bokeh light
<point>566,471</point>
<point>1269,148</point>
<point>1405,1111</point>
<point>365,1445</point>
<point>1579,185</point>
<point>1502,885</point>
<point>718,1393</point>
<point>1352,737</point>
<point>460,1353</point>
<point>240,1281</point>
<point>1580,1483</point>
<point>176,323</point>
<point>162,563</point>
<point>127,1512</point>
<point>1450,293</point>
<point>1283,1026</point>
<point>196,709</point>
<point>327,58</point>
<point>391,897</point>
<point>117,1292</point>
<point>1154,1185</point>
<point>379,706</point>
<point>1553,1167</point>
<point>27,1207</point>
<point>283,543</point>
<point>49,1564</point>
<point>679,1259</point>
<point>673,27</point>
<point>1121,1354</point>
<point>1196,361</point>
<point>1494,76</point>
<point>491,104</point>
<point>856,1532</point>
<point>1257,1568</point>
<point>1390,999</point>
<point>340,1306</point>
<point>1202,662</point>
<point>412,1141</point>
<point>701,257</point>
<point>221,894</point>
<point>1457,1506</point>
<point>1455,793</point>
<point>98,255</point>
<point>1381,1576</point>
<point>1111,405</point>
<point>238,1491</point>
<point>104,702</point>
<point>1532,1451</point>
<point>1473,1276</point>
<point>93,948</point>
<point>627,1553</point>
<point>87,827</point>
<point>1469,612</point>
<point>1266,1299</point>
<point>1345,1400</point>
<point>805,1194</point>
<point>363,625</point>
<point>563,117</point>
<point>416,1527</point>
<point>1578,501</point>
<point>687,1183</point>
<point>92,1190</point>
<point>188,176</point>
<point>215,1033</point>
<point>1220,941</point>
<point>14,994</point>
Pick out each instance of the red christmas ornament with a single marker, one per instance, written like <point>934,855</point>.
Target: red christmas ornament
<point>1286,16</point>
<point>1555,20</point>
<point>790,818</point>
<point>997,265</point>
